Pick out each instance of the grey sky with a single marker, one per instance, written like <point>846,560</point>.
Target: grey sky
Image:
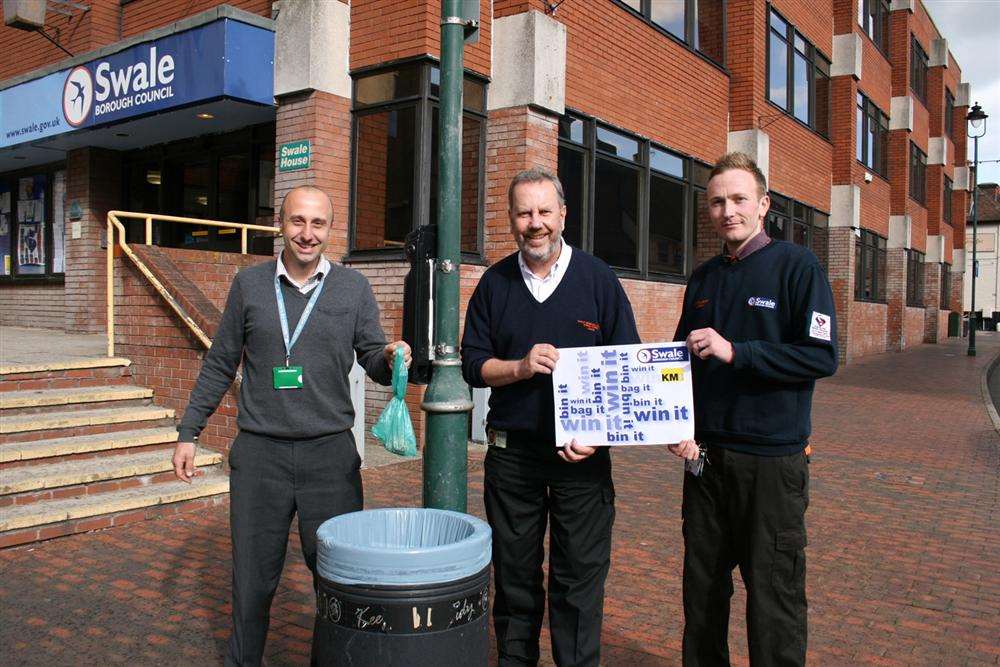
<point>972,28</point>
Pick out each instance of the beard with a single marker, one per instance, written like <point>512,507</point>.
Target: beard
<point>543,254</point>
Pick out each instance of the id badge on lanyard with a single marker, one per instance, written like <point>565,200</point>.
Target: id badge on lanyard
<point>288,376</point>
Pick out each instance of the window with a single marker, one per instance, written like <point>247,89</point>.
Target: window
<point>872,136</point>
<point>873,17</point>
<point>918,174</point>
<point>793,221</point>
<point>918,70</point>
<point>226,177</point>
<point>869,267</point>
<point>798,75</point>
<point>395,157</point>
<point>946,201</point>
<point>33,225</point>
<point>914,279</point>
<point>629,201</point>
<point>949,114</point>
<point>945,302</point>
<point>700,24</point>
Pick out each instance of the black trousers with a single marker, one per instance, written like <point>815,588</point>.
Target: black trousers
<point>746,511</point>
<point>525,488</point>
<point>270,481</point>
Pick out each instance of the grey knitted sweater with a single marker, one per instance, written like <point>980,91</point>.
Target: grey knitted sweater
<point>344,320</point>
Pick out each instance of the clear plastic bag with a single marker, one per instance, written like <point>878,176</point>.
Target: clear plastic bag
<point>394,427</point>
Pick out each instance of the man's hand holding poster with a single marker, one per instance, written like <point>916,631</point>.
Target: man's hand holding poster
<point>623,395</point>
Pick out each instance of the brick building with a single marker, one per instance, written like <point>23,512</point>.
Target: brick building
<point>853,108</point>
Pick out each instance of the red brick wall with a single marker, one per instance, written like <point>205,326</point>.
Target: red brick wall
<point>899,51</point>
<point>79,33</point>
<point>142,15</point>
<point>106,22</point>
<point>843,95</point>
<point>325,120</point>
<point>627,73</point>
<point>874,202</point>
<point>876,72</point>
<point>41,306</point>
<point>93,180</point>
<point>517,138</point>
<point>801,163</point>
<point>868,329</point>
<point>747,26</point>
<point>913,327</point>
<point>895,266</point>
<point>918,225</point>
<point>384,30</point>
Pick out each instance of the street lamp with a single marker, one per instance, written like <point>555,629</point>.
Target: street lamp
<point>977,128</point>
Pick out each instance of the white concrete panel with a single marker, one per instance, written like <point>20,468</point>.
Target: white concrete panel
<point>938,57</point>
<point>756,144</point>
<point>937,150</point>
<point>901,113</point>
<point>847,53</point>
<point>900,231</point>
<point>845,206</point>
<point>529,62</point>
<point>963,95</point>
<point>312,47</point>
<point>935,248</point>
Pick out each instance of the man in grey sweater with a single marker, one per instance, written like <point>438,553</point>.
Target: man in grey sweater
<point>296,324</point>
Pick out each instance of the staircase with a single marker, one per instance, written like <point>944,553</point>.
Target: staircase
<point>82,448</point>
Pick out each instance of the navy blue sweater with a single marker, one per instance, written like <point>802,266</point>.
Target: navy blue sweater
<point>776,308</point>
<point>503,321</point>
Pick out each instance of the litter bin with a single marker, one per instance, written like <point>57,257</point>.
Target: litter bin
<point>401,587</point>
<point>954,324</point>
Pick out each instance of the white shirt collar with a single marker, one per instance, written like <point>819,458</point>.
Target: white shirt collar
<point>556,271</point>
<point>542,288</point>
<point>306,286</point>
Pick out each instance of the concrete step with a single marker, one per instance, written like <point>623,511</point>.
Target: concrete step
<point>63,365</point>
<point>37,515</point>
<point>34,401</point>
<point>58,423</point>
<point>80,472</point>
<point>93,372</point>
<point>86,444</point>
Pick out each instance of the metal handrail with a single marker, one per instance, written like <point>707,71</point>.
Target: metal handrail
<point>114,222</point>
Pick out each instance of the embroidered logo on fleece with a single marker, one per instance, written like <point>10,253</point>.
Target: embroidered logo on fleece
<point>700,303</point>
<point>761,302</point>
<point>589,326</point>
<point>820,326</point>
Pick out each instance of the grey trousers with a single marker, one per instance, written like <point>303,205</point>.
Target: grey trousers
<point>270,481</point>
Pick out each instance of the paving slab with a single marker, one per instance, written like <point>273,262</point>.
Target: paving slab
<point>903,561</point>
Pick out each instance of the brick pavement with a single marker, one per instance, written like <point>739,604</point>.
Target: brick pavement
<point>903,561</point>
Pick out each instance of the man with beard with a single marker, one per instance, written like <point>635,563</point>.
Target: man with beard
<point>546,295</point>
<point>296,323</point>
<point>759,321</point>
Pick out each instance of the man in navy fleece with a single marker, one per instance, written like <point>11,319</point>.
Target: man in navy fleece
<point>759,321</point>
<point>545,296</point>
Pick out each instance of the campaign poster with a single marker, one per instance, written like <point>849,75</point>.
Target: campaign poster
<point>624,395</point>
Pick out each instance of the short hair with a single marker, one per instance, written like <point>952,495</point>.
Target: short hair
<point>535,175</point>
<point>743,162</point>
<point>307,188</point>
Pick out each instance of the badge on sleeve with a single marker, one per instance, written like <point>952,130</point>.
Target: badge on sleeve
<point>819,327</point>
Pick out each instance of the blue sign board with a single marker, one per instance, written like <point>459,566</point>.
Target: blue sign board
<point>225,58</point>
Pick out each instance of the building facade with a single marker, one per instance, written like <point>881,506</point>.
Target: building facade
<point>987,278</point>
<point>855,110</point>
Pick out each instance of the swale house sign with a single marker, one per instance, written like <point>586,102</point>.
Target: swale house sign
<point>222,59</point>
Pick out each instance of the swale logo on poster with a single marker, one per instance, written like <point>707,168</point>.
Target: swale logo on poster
<point>648,355</point>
